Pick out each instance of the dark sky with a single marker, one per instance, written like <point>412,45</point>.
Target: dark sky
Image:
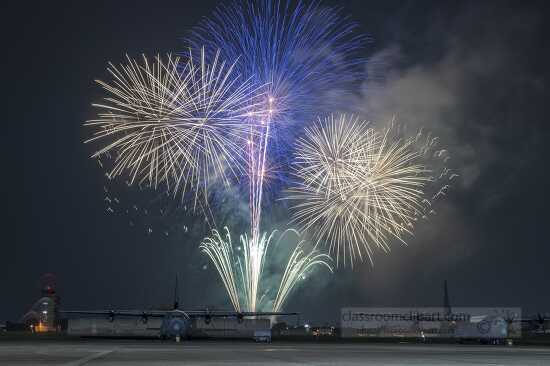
<point>477,74</point>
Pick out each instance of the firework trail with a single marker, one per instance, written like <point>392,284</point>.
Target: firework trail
<point>177,123</point>
<point>257,154</point>
<point>357,189</point>
<point>241,273</point>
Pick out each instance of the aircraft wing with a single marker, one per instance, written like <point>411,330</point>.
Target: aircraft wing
<point>112,313</point>
<point>228,314</point>
<point>161,313</point>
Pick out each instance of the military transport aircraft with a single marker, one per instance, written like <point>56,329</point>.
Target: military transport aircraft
<point>176,322</point>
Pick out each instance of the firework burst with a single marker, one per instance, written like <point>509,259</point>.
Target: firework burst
<point>305,54</point>
<point>173,122</point>
<point>358,188</point>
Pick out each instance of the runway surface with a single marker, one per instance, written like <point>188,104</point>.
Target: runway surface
<point>148,352</point>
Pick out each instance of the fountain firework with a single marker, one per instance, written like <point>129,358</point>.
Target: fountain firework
<point>241,274</point>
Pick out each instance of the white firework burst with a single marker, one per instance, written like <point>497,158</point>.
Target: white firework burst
<point>174,122</point>
<point>357,188</point>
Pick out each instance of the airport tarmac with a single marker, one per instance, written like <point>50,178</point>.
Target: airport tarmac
<point>149,352</point>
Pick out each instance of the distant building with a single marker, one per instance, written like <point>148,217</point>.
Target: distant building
<point>325,330</point>
<point>295,331</point>
<point>42,316</point>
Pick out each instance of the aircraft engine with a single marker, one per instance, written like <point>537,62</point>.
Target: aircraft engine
<point>174,327</point>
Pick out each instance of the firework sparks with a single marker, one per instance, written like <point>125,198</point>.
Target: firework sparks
<point>242,274</point>
<point>358,189</point>
<point>177,123</point>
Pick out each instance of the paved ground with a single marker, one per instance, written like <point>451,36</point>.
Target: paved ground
<point>148,352</point>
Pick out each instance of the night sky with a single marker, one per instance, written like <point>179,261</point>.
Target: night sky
<point>475,74</point>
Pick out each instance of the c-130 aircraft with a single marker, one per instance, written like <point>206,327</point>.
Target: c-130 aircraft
<point>176,322</point>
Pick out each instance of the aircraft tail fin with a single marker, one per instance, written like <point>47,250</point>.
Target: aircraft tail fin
<point>176,295</point>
